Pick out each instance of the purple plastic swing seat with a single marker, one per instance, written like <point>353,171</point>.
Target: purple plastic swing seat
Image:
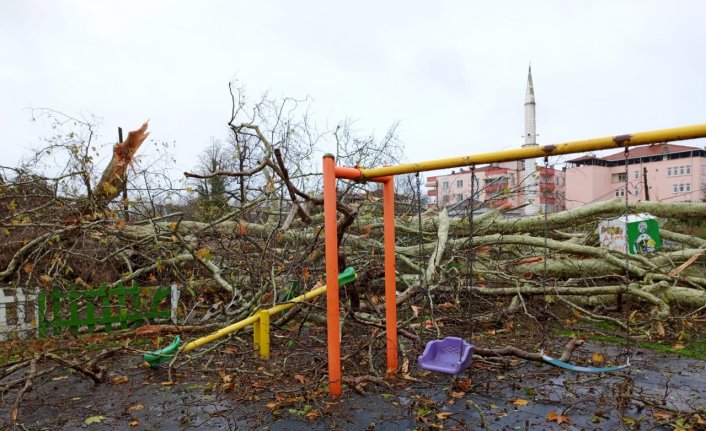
<point>450,355</point>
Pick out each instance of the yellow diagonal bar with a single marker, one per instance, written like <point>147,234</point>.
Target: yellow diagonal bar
<point>220,333</point>
<point>596,144</point>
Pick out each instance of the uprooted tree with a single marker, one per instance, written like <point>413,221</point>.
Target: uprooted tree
<point>267,233</point>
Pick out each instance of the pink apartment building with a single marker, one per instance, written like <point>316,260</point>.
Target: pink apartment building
<point>660,172</point>
<point>497,185</point>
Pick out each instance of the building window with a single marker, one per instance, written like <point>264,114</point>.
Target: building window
<point>637,174</point>
<point>675,188</point>
<point>459,183</point>
<point>620,192</point>
<point>445,185</point>
<point>682,170</point>
<point>636,192</point>
<point>688,170</point>
<point>687,187</point>
<point>445,200</point>
<point>669,172</point>
<point>680,187</point>
<point>459,197</point>
<point>619,177</point>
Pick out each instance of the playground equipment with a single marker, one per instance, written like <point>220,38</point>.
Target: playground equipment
<point>385,175</point>
<point>259,320</point>
<point>561,364</point>
<point>450,356</point>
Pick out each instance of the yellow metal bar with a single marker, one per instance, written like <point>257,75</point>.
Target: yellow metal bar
<point>596,144</point>
<point>253,320</point>
<point>261,319</point>
<point>264,341</point>
<point>301,298</point>
<point>220,333</point>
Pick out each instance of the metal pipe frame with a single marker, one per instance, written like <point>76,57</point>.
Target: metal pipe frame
<point>385,175</point>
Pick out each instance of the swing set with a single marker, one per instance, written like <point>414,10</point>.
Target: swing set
<point>450,355</point>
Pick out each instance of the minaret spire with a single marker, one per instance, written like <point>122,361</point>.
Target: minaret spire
<point>530,113</point>
<point>530,141</point>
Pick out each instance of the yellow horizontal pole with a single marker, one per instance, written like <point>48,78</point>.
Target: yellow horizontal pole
<point>596,144</point>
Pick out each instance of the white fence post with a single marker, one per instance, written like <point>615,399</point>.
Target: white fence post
<point>22,301</point>
<point>174,302</point>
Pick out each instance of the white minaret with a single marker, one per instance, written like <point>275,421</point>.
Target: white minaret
<point>530,176</point>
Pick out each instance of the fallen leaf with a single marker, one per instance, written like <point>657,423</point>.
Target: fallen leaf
<point>553,416</point>
<point>135,408</point>
<point>597,358</point>
<point>312,415</point>
<point>94,420</point>
<point>416,310</point>
<point>661,416</point>
<point>204,253</point>
<point>678,346</point>
<point>134,423</point>
<point>520,402</point>
<point>28,267</point>
<point>464,384</point>
<point>168,383</point>
<point>443,415</point>
<point>458,394</point>
<point>660,329</point>
<point>272,405</point>
<point>429,324</point>
<point>628,420</point>
<point>299,378</point>
<point>405,366</point>
<point>120,380</point>
<point>242,227</point>
<point>226,378</point>
<point>120,224</point>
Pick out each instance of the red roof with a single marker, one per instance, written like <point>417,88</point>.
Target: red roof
<point>638,152</point>
<point>650,150</point>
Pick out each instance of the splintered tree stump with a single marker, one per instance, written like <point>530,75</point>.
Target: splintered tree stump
<point>115,174</point>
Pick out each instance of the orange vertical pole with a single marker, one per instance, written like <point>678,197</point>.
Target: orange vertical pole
<point>331,249</point>
<point>388,196</point>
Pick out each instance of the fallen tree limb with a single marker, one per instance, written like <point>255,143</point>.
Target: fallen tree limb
<point>572,345</point>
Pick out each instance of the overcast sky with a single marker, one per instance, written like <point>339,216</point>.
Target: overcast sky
<point>453,73</point>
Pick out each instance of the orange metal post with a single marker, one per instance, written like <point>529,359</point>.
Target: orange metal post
<point>332,312</point>
<point>388,196</point>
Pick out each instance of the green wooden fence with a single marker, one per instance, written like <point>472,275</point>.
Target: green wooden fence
<point>59,309</point>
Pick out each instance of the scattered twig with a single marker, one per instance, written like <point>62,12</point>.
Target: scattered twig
<point>25,388</point>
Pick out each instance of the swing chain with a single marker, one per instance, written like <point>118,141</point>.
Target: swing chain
<point>627,252</point>
<point>627,212</point>
<point>546,221</point>
<point>471,225</point>
<point>421,234</point>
